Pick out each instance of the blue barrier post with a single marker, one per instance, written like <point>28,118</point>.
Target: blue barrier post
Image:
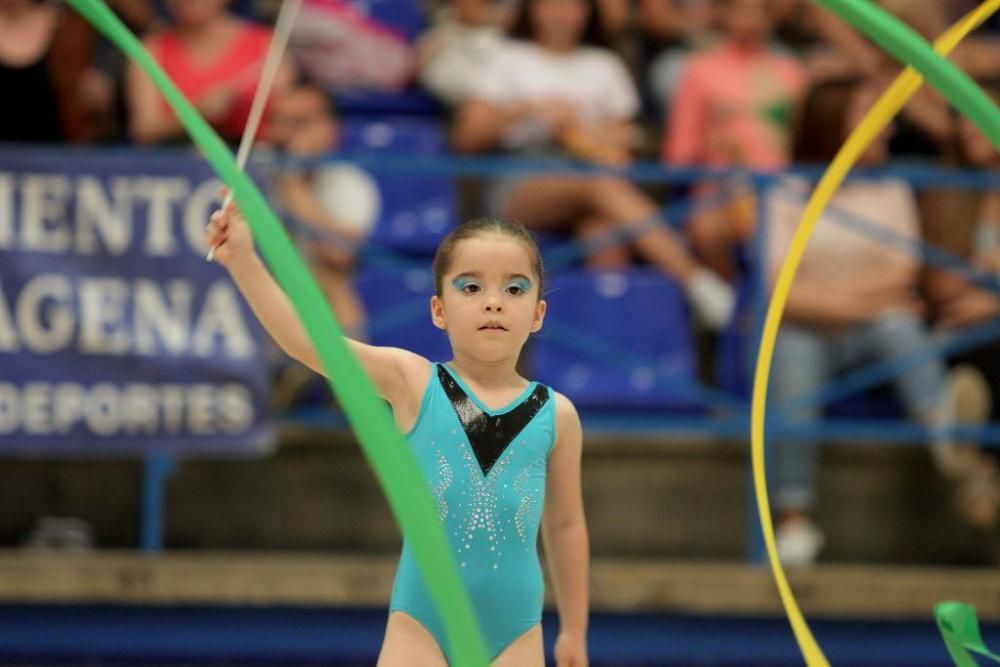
<point>159,467</point>
<point>759,290</point>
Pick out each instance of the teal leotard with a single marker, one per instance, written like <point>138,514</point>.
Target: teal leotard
<point>486,469</point>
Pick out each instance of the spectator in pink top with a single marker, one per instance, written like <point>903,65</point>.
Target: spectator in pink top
<point>733,107</point>
<point>215,58</point>
<point>734,103</point>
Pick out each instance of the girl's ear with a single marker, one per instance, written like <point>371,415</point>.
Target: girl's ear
<point>540,310</point>
<point>437,313</point>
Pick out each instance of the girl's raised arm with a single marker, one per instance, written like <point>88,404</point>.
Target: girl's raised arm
<point>397,373</point>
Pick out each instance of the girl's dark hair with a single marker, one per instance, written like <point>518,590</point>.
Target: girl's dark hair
<point>482,227</point>
<point>593,33</point>
<point>822,122</point>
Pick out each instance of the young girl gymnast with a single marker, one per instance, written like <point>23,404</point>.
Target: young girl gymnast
<point>501,454</point>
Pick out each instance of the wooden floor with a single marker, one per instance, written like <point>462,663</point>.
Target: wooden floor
<point>617,585</point>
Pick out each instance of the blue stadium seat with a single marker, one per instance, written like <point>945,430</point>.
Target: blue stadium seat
<point>397,297</point>
<point>397,134</point>
<point>417,211</point>
<point>878,403</point>
<point>559,250</point>
<point>404,16</point>
<point>410,101</point>
<point>618,341</point>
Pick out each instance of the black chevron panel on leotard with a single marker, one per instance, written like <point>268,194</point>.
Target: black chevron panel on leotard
<point>490,435</point>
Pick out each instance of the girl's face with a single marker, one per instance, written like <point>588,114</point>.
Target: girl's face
<point>15,5</point>
<point>559,24</point>
<point>489,302</point>
<point>302,123</point>
<point>746,21</point>
<point>196,12</point>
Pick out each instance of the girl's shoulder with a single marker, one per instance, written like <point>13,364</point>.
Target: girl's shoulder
<point>568,431</point>
<point>566,416</point>
<point>563,404</point>
<point>416,370</point>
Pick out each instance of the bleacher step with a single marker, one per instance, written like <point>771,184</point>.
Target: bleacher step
<point>351,580</point>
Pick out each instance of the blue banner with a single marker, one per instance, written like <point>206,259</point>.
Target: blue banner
<point>116,336</point>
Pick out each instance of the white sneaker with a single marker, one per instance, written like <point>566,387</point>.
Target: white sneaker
<point>799,542</point>
<point>712,299</point>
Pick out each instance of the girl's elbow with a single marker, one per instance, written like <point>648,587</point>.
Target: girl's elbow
<point>305,356</point>
<point>315,364</point>
<point>569,524</point>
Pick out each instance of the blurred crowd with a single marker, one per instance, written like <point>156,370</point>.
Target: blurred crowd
<point>752,84</point>
<point>757,84</point>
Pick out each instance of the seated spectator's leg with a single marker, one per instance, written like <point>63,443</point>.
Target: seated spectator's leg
<point>608,253</point>
<point>803,362</point>
<point>553,202</point>
<point>925,393</point>
<point>897,335</point>
<point>713,236</point>
<point>549,203</point>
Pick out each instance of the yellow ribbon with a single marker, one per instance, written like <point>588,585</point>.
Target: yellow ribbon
<point>880,115</point>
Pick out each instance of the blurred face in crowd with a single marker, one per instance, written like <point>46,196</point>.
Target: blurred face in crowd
<point>491,12</point>
<point>301,122</point>
<point>746,21</point>
<point>193,13</point>
<point>861,100</point>
<point>782,9</point>
<point>559,24</point>
<point>697,15</point>
<point>14,6</point>
<point>472,13</point>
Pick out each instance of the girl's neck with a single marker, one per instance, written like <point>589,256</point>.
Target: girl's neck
<point>557,49</point>
<point>499,374</point>
<point>208,31</point>
<point>744,47</point>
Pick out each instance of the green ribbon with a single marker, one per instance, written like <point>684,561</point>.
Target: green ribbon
<point>960,630</point>
<point>911,49</point>
<point>390,457</point>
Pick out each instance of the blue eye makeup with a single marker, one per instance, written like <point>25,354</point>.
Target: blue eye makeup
<point>519,286</point>
<point>465,284</point>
